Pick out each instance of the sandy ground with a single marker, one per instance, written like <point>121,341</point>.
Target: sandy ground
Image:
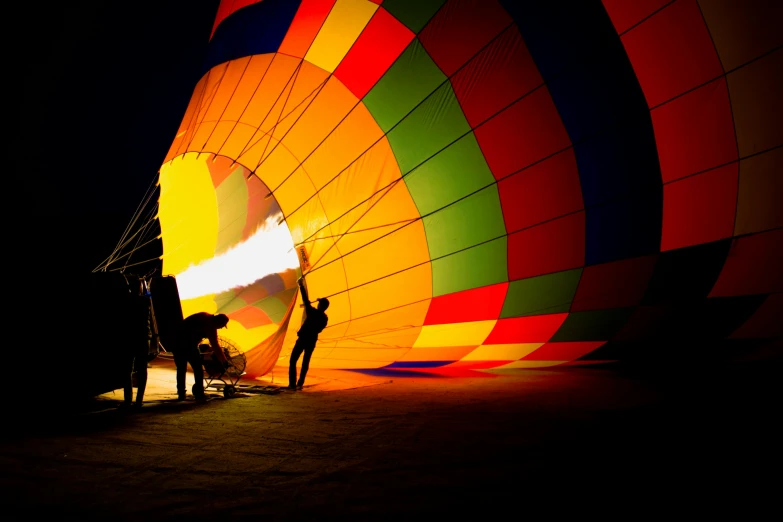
<point>407,446</point>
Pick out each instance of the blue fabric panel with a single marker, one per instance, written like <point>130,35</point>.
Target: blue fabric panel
<point>256,29</point>
<point>595,90</point>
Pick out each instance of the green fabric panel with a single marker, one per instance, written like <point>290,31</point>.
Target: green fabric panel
<point>227,302</point>
<point>407,82</point>
<point>546,294</point>
<point>452,174</point>
<point>414,15</point>
<point>597,325</point>
<point>468,222</point>
<point>432,126</point>
<point>232,210</point>
<point>475,267</point>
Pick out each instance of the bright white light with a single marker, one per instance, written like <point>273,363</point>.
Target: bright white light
<point>269,251</point>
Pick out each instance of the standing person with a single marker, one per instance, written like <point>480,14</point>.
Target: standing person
<point>191,331</point>
<point>315,321</point>
<point>139,314</point>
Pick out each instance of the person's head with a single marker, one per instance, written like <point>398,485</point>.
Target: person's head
<point>221,320</point>
<point>323,304</point>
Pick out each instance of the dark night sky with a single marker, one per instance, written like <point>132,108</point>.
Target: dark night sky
<point>103,87</point>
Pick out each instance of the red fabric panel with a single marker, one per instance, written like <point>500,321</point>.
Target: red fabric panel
<point>754,266</point>
<point>253,293</point>
<point>700,209</point>
<point>305,26</point>
<point>376,1</point>
<point>259,206</point>
<point>250,317</point>
<point>226,8</point>
<point>765,323</point>
<point>544,191</point>
<point>613,285</point>
<point>671,52</point>
<point>625,14</point>
<point>551,247</point>
<point>695,132</point>
<point>476,304</point>
<point>563,351</point>
<point>506,72</point>
<point>532,329</point>
<point>374,51</point>
<point>527,132</point>
<point>460,29</point>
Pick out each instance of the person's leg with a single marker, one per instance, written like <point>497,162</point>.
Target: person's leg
<point>194,358</point>
<point>181,361</point>
<point>305,365</point>
<point>140,364</point>
<point>128,388</point>
<point>295,354</point>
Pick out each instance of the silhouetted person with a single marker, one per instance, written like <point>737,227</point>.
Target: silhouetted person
<point>190,332</point>
<point>139,334</point>
<point>315,321</point>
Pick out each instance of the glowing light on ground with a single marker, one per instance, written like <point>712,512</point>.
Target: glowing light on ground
<point>269,251</point>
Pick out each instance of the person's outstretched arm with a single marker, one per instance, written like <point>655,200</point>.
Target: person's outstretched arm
<point>305,296</point>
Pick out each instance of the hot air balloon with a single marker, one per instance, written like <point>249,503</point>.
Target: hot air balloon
<point>484,184</point>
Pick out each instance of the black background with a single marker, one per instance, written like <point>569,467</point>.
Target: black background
<point>102,87</point>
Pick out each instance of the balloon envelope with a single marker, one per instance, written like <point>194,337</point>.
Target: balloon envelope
<point>487,184</point>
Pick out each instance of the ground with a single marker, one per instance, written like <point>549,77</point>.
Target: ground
<point>405,446</point>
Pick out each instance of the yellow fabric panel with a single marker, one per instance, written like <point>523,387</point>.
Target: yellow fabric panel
<point>405,248</point>
<point>440,353</point>
<point>354,192</point>
<point>396,290</point>
<point>392,210</point>
<point>296,192</point>
<point>395,328</point>
<point>344,24</point>
<point>188,212</point>
<point>742,29</point>
<point>457,334</point>
<point>246,339</point>
<point>363,359</point>
<point>502,352</point>
<point>760,193</point>
<point>755,95</point>
<point>232,196</point>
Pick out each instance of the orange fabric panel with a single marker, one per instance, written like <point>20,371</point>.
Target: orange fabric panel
<point>755,92</point>
<point>760,193</point>
<point>743,29</point>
